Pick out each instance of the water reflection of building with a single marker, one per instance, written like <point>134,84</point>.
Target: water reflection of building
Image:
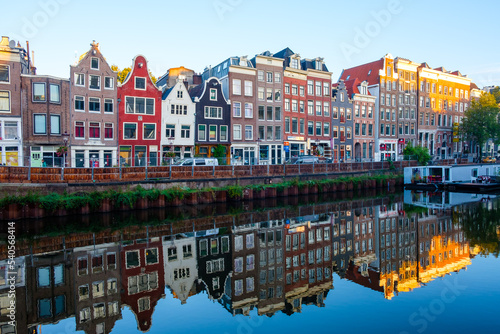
<point>97,282</point>
<point>214,261</point>
<point>181,272</point>
<point>49,288</point>
<point>240,292</point>
<point>18,271</point>
<point>308,261</point>
<point>143,283</point>
<point>270,286</point>
<point>342,240</point>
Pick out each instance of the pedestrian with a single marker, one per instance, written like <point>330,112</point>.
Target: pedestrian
<point>44,164</point>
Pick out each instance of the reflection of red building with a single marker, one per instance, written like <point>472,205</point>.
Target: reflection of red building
<point>139,117</point>
<point>143,279</point>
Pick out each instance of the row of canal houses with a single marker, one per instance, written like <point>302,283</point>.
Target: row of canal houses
<point>266,109</point>
<point>267,265</point>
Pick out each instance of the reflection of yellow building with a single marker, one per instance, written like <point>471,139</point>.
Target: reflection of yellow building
<point>445,256</point>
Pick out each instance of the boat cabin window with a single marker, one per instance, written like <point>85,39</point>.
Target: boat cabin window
<point>474,172</point>
<point>447,174</point>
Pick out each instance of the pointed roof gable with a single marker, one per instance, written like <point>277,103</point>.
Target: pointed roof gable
<point>367,72</point>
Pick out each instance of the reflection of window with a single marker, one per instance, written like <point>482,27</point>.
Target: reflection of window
<point>187,251</point>
<point>97,289</point>
<point>132,259</point>
<point>203,248</point>
<point>238,287</point>
<point>112,286</point>
<point>238,265</point>
<point>151,255</point>
<point>99,310</point>
<point>58,274</point>
<point>44,277</point>
<point>251,262</point>
<point>172,253</point>
<point>44,308</point>
<point>85,315</point>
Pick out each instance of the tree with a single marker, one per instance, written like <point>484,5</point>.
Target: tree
<point>122,75</point>
<point>496,93</point>
<point>480,121</point>
<point>421,153</point>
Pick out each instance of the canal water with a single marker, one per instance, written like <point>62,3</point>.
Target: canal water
<point>410,262</point>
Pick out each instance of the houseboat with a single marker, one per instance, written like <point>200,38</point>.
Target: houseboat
<point>442,199</point>
<point>425,177</point>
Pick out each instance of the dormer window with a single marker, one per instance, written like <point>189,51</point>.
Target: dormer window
<point>94,63</point>
<point>319,65</point>
<point>369,72</point>
<point>140,83</point>
<point>294,63</point>
<point>347,79</point>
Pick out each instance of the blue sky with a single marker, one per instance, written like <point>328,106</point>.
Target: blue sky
<point>456,35</point>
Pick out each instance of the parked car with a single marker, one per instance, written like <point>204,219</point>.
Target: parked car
<point>198,162</point>
<point>306,160</point>
<point>489,160</point>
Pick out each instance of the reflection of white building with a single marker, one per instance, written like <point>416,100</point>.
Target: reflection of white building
<point>177,121</point>
<point>6,272</point>
<point>181,271</point>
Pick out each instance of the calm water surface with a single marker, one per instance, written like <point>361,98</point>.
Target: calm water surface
<point>405,263</point>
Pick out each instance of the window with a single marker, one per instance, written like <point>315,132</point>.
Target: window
<point>236,87</point>
<point>310,87</point>
<point>79,103</point>
<point>140,83</point>
<point>248,132</point>
<point>108,105</point>
<point>212,132</point>
<point>287,88</point>
<point>277,77</point>
<point>149,131</point>
<point>79,130</point>
<point>140,105</point>
<point>260,75</point>
<point>4,101</point>
<point>94,82</point>
<point>318,88</point>
<point>39,92</point>
<point>129,131</point>
<point>94,63</point>
<point>318,108</point>
<point>185,131</point>
<point>237,132</point>
<point>277,131</point>
<point>287,124</point>
<point>277,95</point>
<point>10,132</point>
<point>310,107</point>
<point>213,112</point>
<point>248,110</point>
<point>310,128</point>
<point>94,104</point>
<point>269,77</point>
<point>170,130</point>
<point>202,132</point>
<point>4,73</point>
<point>326,129</point>
<point>326,89</point>
<point>213,94</point>
<point>248,88</point>
<point>318,129</point>
<point>94,130</point>
<point>79,79</point>
<point>223,132</point>
<point>237,109</point>
<point>40,124</point>
<point>108,130</point>
<point>269,95</point>
<point>55,93</point>
<point>109,82</point>
<point>43,278</point>
<point>55,124</point>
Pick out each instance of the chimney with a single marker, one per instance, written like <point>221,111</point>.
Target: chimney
<point>5,41</point>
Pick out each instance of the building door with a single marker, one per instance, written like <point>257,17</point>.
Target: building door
<point>36,157</point>
<point>357,151</point>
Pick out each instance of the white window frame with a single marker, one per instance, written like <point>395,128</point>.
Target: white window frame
<point>112,83</point>
<point>112,128</point>
<point>8,73</point>
<point>249,127</point>
<point>205,136</point>
<point>99,82</point>
<point>236,87</point>
<point>74,106</point>
<point>213,94</point>
<point>112,104</point>
<point>235,126</point>
<point>83,124</point>
<point>143,137</point>
<point>78,76</point>
<point>216,135</point>
<point>248,88</point>
<point>7,111</point>
<point>224,139</point>
<point>234,109</point>
<point>123,135</point>
<point>98,63</point>
<point>145,83</point>
<point>95,112</point>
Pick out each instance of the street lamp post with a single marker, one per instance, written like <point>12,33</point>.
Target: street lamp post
<point>171,142</point>
<point>65,140</point>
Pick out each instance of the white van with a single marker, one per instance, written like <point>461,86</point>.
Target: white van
<point>198,162</point>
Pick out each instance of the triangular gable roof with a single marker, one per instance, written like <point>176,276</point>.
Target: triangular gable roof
<point>366,72</point>
<point>167,92</point>
<point>473,86</point>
